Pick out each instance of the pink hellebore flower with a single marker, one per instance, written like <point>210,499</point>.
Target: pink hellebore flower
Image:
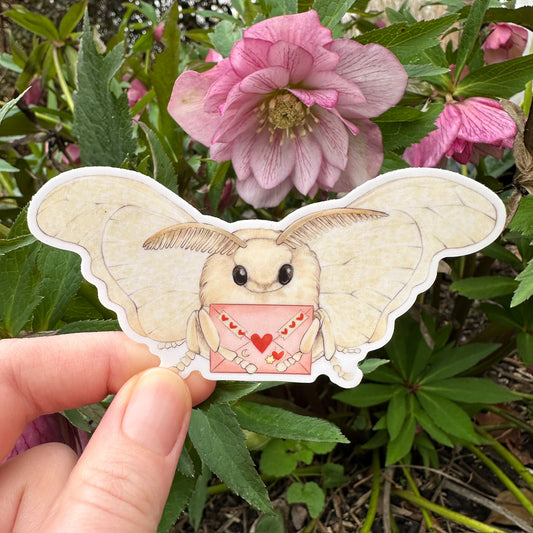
<point>291,107</point>
<point>49,428</point>
<point>465,131</point>
<point>506,41</point>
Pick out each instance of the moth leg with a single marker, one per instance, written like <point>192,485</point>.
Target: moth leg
<point>230,355</point>
<point>327,334</point>
<point>309,336</point>
<point>209,330</point>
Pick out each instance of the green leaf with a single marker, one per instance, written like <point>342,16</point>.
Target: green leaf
<point>219,441</point>
<point>90,325</point>
<point>102,122</point>
<point>366,394</point>
<point>470,34</point>
<point>499,252</point>
<point>8,245</point>
<point>333,476</point>
<point>453,360</point>
<point>276,422</point>
<point>448,416</point>
<point>7,167</point>
<point>279,458</point>
<point>199,497</point>
<point>484,287</point>
<point>70,20</point>
<point>429,426</point>
<point>523,16</point>
<point>34,22</point>
<point>525,287</point>
<point>371,364</point>
<point>224,37</point>
<point>470,390</point>
<point>180,493</point>
<point>231,391</point>
<point>20,281</point>
<point>424,71</point>
<point>271,523</point>
<point>523,218</point>
<point>392,161</point>
<point>163,169</point>
<point>406,41</point>
<point>330,13</point>
<point>524,343</point>
<point>275,8</point>
<point>310,494</point>
<point>4,110</point>
<point>402,444</point>
<point>500,80</point>
<point>61,279</point>
<point>397,413</point>
<point>501,315</point>
<point>406,132</point>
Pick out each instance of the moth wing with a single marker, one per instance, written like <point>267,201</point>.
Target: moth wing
<point>371,271</point>
<point>106,218</point>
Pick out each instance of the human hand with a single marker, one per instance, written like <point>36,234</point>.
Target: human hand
<point>121,481</point>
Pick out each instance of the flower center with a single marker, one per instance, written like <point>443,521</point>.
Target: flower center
<point>285,113</point>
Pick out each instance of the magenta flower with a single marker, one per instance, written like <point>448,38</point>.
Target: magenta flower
<point>466,130</point>
<point>34,93</point>
<point>49,428</point>
<point>158,32</point>
<point>506,41</point>
<point>291,107</point>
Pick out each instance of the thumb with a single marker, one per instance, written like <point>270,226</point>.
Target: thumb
<point>122,480</point>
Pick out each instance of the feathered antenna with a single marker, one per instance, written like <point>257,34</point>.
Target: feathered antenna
<point>311,226</point>
<point>196,237</point>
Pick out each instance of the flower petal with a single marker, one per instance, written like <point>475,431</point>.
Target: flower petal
<point>324,97</point>
<point>365,157</point>
<point>432,148</point>
<point>271,159</point>
<point>376,71</point>
<point>251,192</point>
<point>249,55</point>
<point>304,29</point>
<point>328,175</point>
<point>331,135</point>
<point>293,58</point>
<point>186,106</point>
<point>483,120</point>
<point>307,163</point>
<point>349,92</point>
<point>265,80</point>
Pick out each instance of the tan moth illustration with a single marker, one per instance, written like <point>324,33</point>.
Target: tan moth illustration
<point>259,300</point>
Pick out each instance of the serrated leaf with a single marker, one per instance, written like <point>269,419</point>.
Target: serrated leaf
<point>8,245</point>
<point>230,391</point>
<point>199,497</point>
<point>425,71</point>
<point>83,326</point>
<point>484,287</point>
<point>61,279</point>
<point>70,20</point>
<point>330,13</point>
<point>500,80</point>
<point>523,218</point>
<point>524,343</point>
<point>470,390</point>
<point>405,40</point>
<point>310,494</point>
<point>224,37</point>
<point>282,424</point>
<point>525,287</point>
<point>102,122</point>
<point>219,441</point>
<point>402,444</point>
<point>276,8</point>
<point>366,394</point>
<point>453,360</point>
<point>470,34</point>
<point>270,523</point>
<point>404,133</point>
<point>448,416</point>
<point>178,498</point>
<point>34,22</point>
<point>397,413</point>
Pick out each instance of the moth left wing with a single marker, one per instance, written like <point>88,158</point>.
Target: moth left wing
<point>373,268</point>
<point>106,216</point>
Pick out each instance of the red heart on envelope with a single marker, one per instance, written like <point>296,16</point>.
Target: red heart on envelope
<point>278,355</point>
<point>261,343</point>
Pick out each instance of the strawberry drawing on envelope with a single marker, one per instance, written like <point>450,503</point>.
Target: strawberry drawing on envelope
<point>267,337</point>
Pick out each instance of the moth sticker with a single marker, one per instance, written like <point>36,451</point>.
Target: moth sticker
<point>261,300</point>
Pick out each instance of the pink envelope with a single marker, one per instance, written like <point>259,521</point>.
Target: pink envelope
<point>264,335</point>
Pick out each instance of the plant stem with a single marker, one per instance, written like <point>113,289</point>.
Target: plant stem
<point>470,523</point>
<point>62,81</point>
<point>516,422</point>
<point>517,493</point>
<point>374,495</point>
<point>414,488</point>
<point>520,469</point>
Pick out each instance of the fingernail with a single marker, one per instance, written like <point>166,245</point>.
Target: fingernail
<point>158,412</point>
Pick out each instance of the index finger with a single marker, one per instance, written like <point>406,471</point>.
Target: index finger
<point>42,375</point>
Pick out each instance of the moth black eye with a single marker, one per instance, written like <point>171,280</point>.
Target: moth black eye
<point>285,274</point>
<point>240,276</point>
